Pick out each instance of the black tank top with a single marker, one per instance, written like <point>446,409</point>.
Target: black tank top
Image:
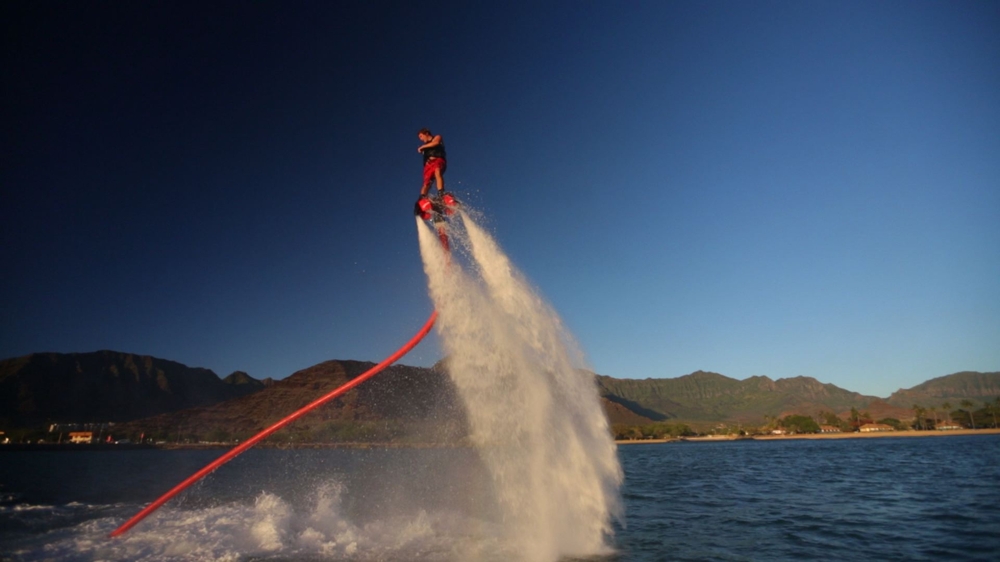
<point>435,152</point>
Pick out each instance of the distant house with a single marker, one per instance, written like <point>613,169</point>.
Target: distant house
<point>829,429</point>
<point>81,436</point>
<point>870,427</point>
<point>779,431</point>
<point>948,426</point>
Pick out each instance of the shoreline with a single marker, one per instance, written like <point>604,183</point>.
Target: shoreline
<point>812,436</point>
<point>876,434</point>
<point>391,445</point>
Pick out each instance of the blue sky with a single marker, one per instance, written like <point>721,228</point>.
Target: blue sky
<point>765,188</point>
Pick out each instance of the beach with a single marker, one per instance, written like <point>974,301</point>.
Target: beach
<point>873,434</point>
<point>843,435</point>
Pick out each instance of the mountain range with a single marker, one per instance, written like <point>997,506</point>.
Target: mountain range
<point>705,396</point>
<point>161,397</point>
<point>108,386</point>
<point>401,402</point>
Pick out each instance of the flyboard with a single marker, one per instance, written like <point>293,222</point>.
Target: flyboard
<point>432,210</point>
<point>436,210</point>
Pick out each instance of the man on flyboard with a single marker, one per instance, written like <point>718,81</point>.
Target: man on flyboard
<point>435,165</point>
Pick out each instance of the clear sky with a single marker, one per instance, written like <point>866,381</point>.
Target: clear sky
<point>752,188</point>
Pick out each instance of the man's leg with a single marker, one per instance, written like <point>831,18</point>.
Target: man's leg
<point>427,182</point>
<point>440,180</point>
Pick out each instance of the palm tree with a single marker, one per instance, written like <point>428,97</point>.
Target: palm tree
<point>919,413</point>
<point>993,408</point>
<point>968,404</point>
<point>934,413</point>
<point>947,411</point>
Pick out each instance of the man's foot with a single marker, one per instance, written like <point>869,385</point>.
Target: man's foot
<point>449,202</point>
<point>425,207</point>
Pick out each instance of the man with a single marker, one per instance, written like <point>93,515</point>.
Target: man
<point>435,160</point>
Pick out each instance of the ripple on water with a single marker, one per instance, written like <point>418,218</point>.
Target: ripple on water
<point>906,499</point>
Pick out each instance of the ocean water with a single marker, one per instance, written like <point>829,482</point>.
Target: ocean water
<point>932,498</point>
<point>919,498</point>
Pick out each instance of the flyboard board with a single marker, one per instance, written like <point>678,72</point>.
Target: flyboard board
<point>436,210</point>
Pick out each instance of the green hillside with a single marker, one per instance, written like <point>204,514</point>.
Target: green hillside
<point>705,396</point>
<point>967,385</point>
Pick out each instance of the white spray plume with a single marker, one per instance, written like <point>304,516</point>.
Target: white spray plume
<point>535,417</point>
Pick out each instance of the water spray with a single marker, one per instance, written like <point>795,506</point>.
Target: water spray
<point>535,418</point>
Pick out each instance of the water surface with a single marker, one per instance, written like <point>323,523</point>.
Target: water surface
<point>934,498</point>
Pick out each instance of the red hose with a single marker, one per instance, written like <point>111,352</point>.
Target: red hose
<point>263,434</point>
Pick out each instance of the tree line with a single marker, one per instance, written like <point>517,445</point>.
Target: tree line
<point>929,418</point>
<point>968,415</point>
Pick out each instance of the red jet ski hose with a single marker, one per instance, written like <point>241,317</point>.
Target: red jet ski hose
<point>263,434</point>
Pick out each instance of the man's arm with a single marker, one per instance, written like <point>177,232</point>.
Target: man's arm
<point>434,142</point>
